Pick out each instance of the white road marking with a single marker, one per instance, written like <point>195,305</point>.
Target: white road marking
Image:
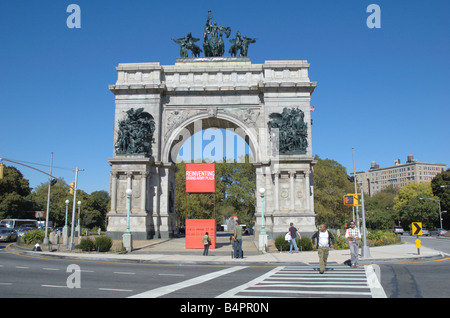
<point>171,275</point>
<point>50,269</point>
<point>257,280</point>
<point>54,286</point>
<point>113,289</point>
<point>286,282</point>
<point>22,267</point>
<point>124,273</point>
<point>5,284</point>
<point>190,282</point>
<point>340,292</point>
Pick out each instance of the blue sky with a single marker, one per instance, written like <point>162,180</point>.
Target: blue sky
<point>384,92</point>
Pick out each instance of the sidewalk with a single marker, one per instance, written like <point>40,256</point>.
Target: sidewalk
<point>172,251</point>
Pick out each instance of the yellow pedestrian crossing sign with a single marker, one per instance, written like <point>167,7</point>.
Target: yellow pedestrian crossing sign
<point>416,228</point>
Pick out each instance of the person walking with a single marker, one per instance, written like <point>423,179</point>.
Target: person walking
<point>237,239</point>
<point>323,240</point>
<point>293,232</point>
<point>206,243</point>
<point>353,235</point>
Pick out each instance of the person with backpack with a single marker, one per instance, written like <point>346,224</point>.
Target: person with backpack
<point>323,240</point>
<point>206,242</point>
<point>293,232</point>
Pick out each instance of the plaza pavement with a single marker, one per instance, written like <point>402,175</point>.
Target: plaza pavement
<point>172,251</point>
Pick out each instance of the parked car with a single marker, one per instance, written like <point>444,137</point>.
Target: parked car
<point>398,230</point>
<point>425,232</point>
<point>24,229</point>
<point>7,235</point>
<point>439,232</point>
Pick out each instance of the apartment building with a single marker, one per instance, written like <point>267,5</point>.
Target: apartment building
<point>376,179</point>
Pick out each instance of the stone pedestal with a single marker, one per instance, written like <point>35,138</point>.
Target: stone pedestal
<point>152,205</point>
<point>65,235</point>
<point>127,239</point>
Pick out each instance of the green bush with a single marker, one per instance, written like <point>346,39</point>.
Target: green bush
<point>340,242</point>
<point>304,244</point>
<point>382,237</point>
<point>86,245</point>
<point>281,244</point>
<point>103,243</point>
<point>33,237</point>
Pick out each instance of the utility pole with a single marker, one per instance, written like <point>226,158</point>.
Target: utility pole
<point>48,201</point>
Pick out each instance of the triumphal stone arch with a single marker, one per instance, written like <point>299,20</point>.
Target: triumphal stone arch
<point>161,105</point>
<point>158,107</point>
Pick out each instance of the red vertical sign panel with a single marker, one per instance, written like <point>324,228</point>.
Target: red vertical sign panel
<point>196,229</point>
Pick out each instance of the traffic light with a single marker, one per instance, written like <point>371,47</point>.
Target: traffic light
<point>351,199</point>
<point>72,186</point>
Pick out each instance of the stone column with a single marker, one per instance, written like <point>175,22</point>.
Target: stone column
<point>276,191</point>
<point>129,178</point>
<point>144,178</point>
<point>114,191</point>
<point>156,186</point>
<point>307,192</point>
<point>292,189</point>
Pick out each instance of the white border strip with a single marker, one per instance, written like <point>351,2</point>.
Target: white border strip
<point>373,283</point>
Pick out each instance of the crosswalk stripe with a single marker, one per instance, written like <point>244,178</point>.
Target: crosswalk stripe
<point>290,281</point>
<point>339,292</point>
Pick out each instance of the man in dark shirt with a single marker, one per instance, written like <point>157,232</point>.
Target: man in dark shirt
<point>294,232</point>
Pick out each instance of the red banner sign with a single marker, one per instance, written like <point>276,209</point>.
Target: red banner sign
<point>200,178</point>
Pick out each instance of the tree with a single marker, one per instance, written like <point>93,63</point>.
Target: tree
<point>379,208</point>
<point>14,192</point>
<point>440,185</point>
<point>330,186</point>
<point>417,210</point>
<point>411,190</point>
<point>235,191</point>
<point>412,205</point>
<point>93,207</point>
<point>58,195</point>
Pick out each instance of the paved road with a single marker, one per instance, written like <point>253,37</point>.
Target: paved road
<point>24,276</point>
<point>429,279</point>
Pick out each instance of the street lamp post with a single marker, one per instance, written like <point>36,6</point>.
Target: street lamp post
<point>66,228</point>
<point>262,232</point>
<point>127,237</point>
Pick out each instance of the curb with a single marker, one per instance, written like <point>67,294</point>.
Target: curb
<point>233,262</point>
